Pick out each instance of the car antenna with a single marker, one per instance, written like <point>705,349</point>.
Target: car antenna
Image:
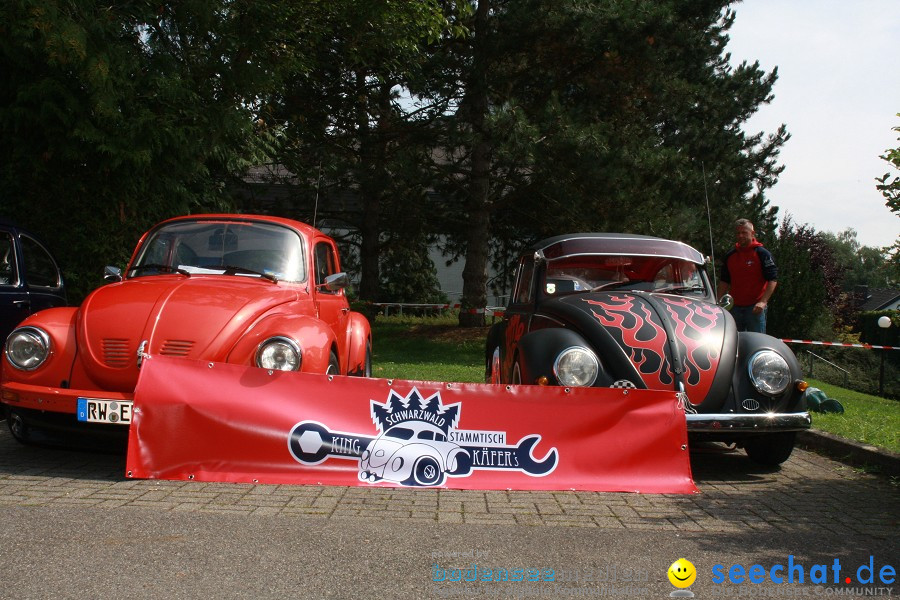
<point>712,249</point>
<point>316,205</point>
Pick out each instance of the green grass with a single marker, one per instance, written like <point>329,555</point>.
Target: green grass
<point>435,349</point>
<point>427,348</point>
<point>866,418</point>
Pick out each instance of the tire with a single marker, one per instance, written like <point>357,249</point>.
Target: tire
<point>771,449</point>
<point>493,367</point>
<point>427,471</point>
<point>365,369</point>
<point>19,429</point>
<point>516,378</point>
<point>334,365</point>
<point>368,365</point>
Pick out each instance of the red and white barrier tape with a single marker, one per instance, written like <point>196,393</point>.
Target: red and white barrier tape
<point>866,346</point>
<point>472,311</point>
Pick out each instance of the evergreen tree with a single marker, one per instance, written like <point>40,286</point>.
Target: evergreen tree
<point>599,116</point>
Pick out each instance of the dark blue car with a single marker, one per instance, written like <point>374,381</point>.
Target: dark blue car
<point>30,279</point>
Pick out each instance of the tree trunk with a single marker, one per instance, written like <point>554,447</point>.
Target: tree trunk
<point>474,296</point>
<point>372,186</point>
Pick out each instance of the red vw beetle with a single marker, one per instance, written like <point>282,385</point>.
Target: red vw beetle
<point>253,290</point>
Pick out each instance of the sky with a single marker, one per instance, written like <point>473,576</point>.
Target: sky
<point>838,92</point>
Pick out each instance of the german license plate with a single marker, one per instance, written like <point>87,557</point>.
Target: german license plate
<point>95,410</point>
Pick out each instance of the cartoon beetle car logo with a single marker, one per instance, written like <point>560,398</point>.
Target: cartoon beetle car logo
<point>412,453</point>
<point>418,444</point>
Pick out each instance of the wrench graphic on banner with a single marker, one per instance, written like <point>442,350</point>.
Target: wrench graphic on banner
<point>311,443</point>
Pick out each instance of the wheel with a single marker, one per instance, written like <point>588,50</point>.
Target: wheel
<point>427,471</point>
<point>334,365</point>
<point>367,369</point>
<point>363,369</point>
<point>771,449</point>
<point>19,429</point>
<point>493,367</point>
<point>516,373</point>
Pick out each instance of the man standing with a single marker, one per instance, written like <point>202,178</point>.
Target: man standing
<point>749,273</point>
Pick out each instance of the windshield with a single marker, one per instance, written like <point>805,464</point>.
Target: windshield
<point>587,273</point>
<point>400,433</point>
<point>236,248</point>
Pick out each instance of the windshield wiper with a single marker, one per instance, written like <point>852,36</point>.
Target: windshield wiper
<point>165,268</point>
<point>612,285</point>
<point>680,289</point>
<point>235,269</point>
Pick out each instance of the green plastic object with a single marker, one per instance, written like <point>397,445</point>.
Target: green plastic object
<point>814,399</point>
<point>830,405</point>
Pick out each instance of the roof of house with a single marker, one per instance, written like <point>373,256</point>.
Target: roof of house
<point>879,298</point>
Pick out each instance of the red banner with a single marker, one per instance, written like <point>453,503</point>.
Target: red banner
<point>222,422</point>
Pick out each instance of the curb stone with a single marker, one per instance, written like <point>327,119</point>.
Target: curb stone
<point>851,452</point>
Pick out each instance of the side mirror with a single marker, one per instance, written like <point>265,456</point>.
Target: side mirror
<point>337,281</point>
<point>112,274</point>
<point>726,302</point>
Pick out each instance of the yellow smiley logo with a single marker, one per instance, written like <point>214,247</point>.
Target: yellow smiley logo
<point>682,573</point>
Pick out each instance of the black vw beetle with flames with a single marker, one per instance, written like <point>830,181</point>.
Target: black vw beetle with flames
<point>620,310</point>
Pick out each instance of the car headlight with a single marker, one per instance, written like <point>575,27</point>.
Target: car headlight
<point>769,372</point>
<point>280,354</point>
<point>27,348</point>
<point>576,367</point>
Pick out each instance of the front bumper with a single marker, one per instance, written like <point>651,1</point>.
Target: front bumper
<point>17,395</point>
<point>747,423</point>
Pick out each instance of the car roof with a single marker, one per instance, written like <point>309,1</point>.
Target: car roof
<point>580,244</point>
<point>416,425</point>
<point>303,228</point>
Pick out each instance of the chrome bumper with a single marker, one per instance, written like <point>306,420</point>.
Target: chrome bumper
<point>747,423</point>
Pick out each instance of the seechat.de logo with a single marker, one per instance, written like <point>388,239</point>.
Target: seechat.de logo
<point>795,571</point>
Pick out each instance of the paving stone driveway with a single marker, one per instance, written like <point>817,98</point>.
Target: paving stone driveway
<point>808,491</point>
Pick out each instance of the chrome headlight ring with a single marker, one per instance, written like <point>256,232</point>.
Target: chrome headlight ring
<point>279,353</point>
<point>27,348</point>
<point>576,366</point>
<point>769,372</point>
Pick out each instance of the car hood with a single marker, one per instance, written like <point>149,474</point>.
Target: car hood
<point>665,338</point>
<point>192,317</point>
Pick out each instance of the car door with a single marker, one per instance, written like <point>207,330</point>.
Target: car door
<point>13,295</point>
<point>518,315</point>
<point>43,280</point>
<point>331,305</point>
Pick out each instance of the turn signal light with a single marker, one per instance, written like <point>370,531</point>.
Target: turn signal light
<point>802,385</point>
<point>542,380</point>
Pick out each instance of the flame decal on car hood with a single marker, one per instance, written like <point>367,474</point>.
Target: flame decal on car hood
<point>637,329</point>
<point>698,327</point>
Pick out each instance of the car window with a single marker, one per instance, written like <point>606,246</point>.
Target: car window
<point>326,265</point>
<point>440,437</point>
<point>8,275</point>
<point>523,292</point>
<point>40,268</point>
<point>426,435</point>
<point>237,248</point>
<point>400,433</point>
